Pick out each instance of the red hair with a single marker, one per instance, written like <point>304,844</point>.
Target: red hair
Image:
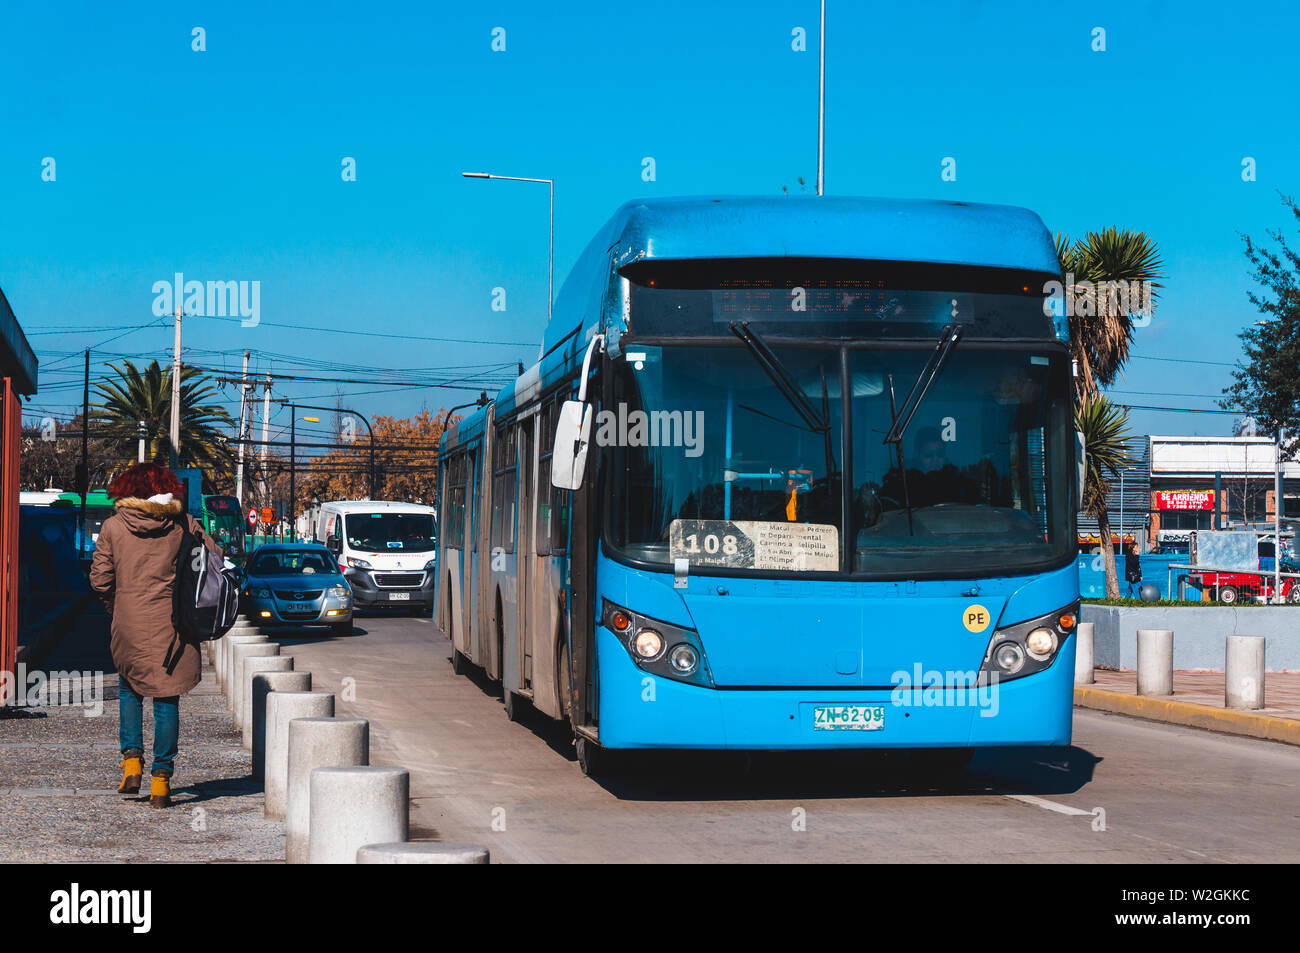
<point>145,480</point>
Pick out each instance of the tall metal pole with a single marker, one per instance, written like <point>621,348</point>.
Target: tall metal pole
<point>243,412</point>
<point>176,394</point>
<point>1277,517</point>
<point>821,102</point>
<point>550,257</point>
<point>293,472</point>
<point>85,445</point>
<point>266,417</point>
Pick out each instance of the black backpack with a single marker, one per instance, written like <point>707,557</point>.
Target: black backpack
<point>207,597</point>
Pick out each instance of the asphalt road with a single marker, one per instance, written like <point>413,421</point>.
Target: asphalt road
<point>1126,791</point>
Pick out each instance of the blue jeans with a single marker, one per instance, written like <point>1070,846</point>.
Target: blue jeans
<point>166,726</point>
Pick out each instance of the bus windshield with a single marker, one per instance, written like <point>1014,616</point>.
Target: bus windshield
<point>709,460</point>
<point>377,532</point>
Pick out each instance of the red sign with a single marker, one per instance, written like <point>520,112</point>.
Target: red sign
<point>252,516</point>
<point>1184,499</point>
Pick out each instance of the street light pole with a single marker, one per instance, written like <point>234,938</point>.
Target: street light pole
<point>354,413</point>
<point>821,100</point>
<point>550,255</point>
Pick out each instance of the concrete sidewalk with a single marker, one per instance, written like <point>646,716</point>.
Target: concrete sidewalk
<point>59,771</point>
<point>1198,702</point>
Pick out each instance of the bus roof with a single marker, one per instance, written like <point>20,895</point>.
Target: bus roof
<point>922,230</point>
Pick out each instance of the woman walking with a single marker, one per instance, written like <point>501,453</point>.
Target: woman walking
<point>134,573</point>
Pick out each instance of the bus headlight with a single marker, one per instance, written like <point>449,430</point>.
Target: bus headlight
<point>1010,657</point>
<point>1026,648</point>
<point>1041,643</point>
<point>648,642</point>
<point>683,659</point>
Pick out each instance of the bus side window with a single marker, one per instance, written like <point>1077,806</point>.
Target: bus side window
<point>503,491</point>
<point>558,527</point>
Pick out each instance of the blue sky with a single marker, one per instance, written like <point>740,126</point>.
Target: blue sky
<point>225,164</point>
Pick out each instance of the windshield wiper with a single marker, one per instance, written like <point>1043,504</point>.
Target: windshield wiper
<point>781,377</point>
<point>938,357</point>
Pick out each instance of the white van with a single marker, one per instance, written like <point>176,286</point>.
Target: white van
<point>387,551</point>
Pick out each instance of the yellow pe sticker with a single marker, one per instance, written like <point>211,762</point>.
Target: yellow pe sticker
<point>976,618</point>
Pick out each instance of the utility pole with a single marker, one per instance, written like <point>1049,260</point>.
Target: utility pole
<point>85,446</point>
<point>243,408</point>
<point>176,394</point>
<point>266,419</point>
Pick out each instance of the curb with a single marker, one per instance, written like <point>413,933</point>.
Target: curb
<point>1228,721</point>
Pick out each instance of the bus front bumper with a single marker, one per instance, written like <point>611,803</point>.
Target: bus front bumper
<point>640,710</point>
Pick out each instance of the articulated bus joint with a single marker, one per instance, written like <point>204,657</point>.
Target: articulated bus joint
<point>658,647</point>
<point>1028,648</point>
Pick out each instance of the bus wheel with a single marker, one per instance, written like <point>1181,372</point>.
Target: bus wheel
<point>1228,594</point>
<point>562,685</point>
<point>593,760</point>
<point>459,664</point>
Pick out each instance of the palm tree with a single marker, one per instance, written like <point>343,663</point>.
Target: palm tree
<point>138,396</point>
<point>1105,428</point>
<point>1100,342</point>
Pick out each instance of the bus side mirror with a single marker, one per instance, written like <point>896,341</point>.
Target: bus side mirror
<point>572,438</point>
<point>1081,466</point>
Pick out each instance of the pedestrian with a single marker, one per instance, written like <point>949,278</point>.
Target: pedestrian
<point>134,573</point>
<point>1132,566</point>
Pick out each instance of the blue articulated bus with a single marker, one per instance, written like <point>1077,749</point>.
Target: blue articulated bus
<point>790,473</point>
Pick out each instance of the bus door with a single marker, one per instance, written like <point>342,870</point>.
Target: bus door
<point>527,546</point>
<point>485,596</point>
<point>467,556</point>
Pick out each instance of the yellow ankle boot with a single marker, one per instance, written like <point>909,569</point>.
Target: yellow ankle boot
<point>160,790</point>
<point>132,769</point>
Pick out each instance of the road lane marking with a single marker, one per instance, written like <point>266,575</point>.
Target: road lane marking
<point>1049,805</point>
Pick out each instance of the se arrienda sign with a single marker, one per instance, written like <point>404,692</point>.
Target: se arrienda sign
<point>1184,499</point>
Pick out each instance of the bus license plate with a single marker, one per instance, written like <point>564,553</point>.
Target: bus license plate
<point>848,718</point>
<point>399,597</point>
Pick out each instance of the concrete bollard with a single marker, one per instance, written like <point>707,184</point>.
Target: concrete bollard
<point>228,642</point>
<point>1083,654</point>
<point>252,665</point>
<point>281,708</point>
<point>422,852</point>
<point>317,743</point>
<point>1155,661</point>
<point>1243,671</point>
<point>353,807</point>
<point>263,684</point>
<point>234,672</point>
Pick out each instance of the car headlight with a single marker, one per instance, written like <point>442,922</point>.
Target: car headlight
<point>431,564</point>
<point>1026,648</point>
<point>340,591</point>
<point>358,563</point>
<point>647,640</point>
<point>258,593</point>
